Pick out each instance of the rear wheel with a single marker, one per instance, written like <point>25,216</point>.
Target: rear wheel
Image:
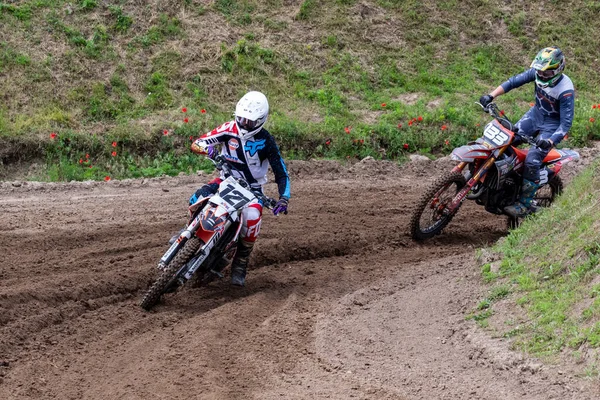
<point>544,197</point>
<point>168,276</point>
<point>431,214</point>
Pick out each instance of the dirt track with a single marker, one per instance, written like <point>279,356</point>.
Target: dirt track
<point>340,303</point>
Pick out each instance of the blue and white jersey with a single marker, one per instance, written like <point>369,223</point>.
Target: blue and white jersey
<point>556,102</point>
<point>255,154</point>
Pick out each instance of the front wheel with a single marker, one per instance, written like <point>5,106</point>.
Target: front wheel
<point>431,214</point>
<point>168,276</point>
<point>544,197</point>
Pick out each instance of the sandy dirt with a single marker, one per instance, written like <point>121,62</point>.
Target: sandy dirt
<point>340,302</point>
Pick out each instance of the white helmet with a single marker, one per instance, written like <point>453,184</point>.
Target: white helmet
<point>251,113</point>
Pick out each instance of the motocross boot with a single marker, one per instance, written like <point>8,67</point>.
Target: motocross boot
<point>240,262</point>
<point>524,205</point>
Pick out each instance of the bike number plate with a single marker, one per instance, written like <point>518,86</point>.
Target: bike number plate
<point>234,195</point>
<point>494,135</point>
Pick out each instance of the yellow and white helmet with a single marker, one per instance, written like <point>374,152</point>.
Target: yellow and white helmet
<point>549,64</point>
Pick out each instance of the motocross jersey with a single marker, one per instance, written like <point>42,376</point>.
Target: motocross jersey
<point>255,154</point>
<point>556,102</point>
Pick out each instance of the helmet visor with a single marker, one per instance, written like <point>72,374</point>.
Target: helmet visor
<point>246,123</point>
<point>546,75</point>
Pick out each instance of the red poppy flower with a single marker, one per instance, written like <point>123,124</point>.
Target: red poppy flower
<point>191,138</point>
<point>592,119</point>
<point>410,122</point>
<point>328,142</point>
<point>502,112</point>
<point>383,104</point>
<point>114,154</point>
<point>114,144</point>
<point>420,119</point>
<point>107,178</point>
<point>405,146</point>
<point>81,161</point>
<point>594,106</point>
<point>531,104</point>
<point>444,127</point>
<point>446,142</point>
<point>185,120</point>
<point>203,111</point>
<point>362,141</point>
<point>87,156</point>
<point>347,129</point>
<point>53,135</point>
<point>184,109</point>
<point>477,124</point>
<point>399,125</point>
<point>91,166</point>
<point>166,132</point>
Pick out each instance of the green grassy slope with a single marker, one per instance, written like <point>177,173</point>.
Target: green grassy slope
<point>344,77</point>
<point>548,278</point>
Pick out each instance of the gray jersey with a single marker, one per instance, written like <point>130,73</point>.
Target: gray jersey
<point>556,102</point>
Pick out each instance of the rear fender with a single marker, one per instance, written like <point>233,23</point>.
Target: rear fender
<point>567,155</point>
<point>471,152</point>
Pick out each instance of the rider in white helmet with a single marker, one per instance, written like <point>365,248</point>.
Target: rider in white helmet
<point>246,139</point>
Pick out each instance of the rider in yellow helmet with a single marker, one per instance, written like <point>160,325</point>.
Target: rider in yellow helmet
<point>550,118</point>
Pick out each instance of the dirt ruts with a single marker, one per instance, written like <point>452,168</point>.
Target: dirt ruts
<point>340,302</point>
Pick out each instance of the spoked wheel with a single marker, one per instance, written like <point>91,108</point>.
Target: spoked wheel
<point>544,197</point>
<point>168,276</point>
<point>431,214</point>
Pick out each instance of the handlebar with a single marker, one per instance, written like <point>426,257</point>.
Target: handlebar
<point>495,112</point>
<point>223,164</point>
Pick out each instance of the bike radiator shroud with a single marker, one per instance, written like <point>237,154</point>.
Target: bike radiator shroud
<point>500,185</point>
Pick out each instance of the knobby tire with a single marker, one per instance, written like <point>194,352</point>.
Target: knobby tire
<point>440,183</point>
<point>166,277</point>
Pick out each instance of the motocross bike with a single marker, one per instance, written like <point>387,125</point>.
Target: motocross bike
<point>209,241</point>
<point>490,173</point>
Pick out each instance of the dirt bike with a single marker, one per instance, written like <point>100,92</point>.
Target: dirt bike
<point>209,241</point>
<point>490,173</point>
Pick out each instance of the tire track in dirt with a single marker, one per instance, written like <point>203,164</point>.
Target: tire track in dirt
<point>77,259</point>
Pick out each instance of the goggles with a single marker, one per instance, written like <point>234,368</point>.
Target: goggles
<point>548,74</point>
<point>246,123</point>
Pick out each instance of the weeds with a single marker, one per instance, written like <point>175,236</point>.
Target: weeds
<point>338,79</point>
<point>551,284</point>
<point>122,21</point>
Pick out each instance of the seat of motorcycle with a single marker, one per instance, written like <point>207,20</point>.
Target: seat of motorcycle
<point>552,155</point>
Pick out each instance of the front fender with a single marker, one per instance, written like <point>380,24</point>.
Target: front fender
<point>470,152</point>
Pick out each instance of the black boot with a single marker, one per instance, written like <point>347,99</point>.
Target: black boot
<point>240,262</point>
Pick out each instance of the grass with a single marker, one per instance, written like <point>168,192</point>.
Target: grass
<point>101,66</point>
<point>550,270</point>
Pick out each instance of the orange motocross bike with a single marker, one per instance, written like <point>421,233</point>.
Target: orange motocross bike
<point>490,172</point>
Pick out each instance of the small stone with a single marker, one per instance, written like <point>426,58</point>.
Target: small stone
<point>418,158</point>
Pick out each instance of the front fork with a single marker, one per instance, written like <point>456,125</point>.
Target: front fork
<point>460,196</point>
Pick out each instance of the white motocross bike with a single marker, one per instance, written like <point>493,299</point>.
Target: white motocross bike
<point>209,241</point>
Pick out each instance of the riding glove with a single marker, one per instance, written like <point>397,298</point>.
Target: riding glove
<point>212,152</point>
<point>544,144</point>
<point>281,206</point>
<point>486,99</point>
